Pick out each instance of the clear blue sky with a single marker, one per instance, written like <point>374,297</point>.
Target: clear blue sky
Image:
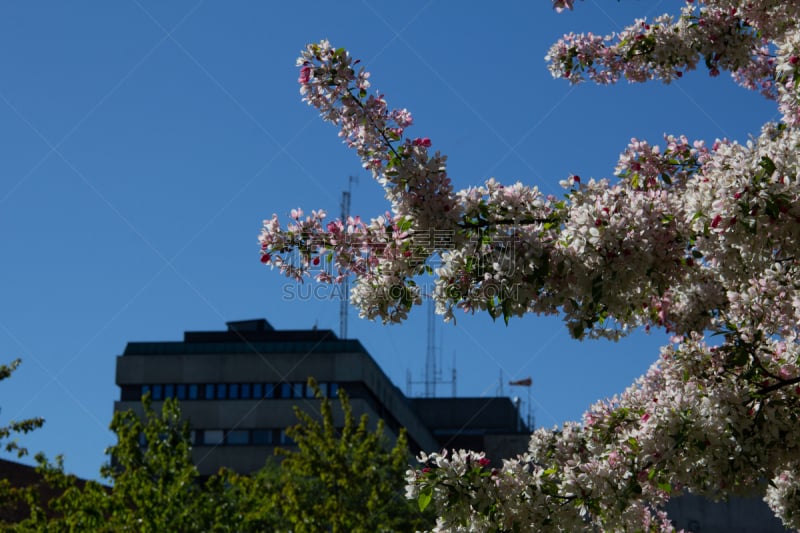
<point>144,142</point>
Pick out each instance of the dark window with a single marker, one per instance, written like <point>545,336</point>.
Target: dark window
<point>169,391</point>
<point>245,391</point>
<point>209,391</point>
<point>196,436</point>
<point>258,390</point>
<point>323,389</point>
<point>181,391</point>
<point>262,436</point>
<point>233,391</point>
<point>193,391</point>
<point>221,389</point>
<point>158,392</point>
<point>130,393</point>
<point>334,390</point>
<point>213,437</point>
<point>269,390</point>
<point>145,389</point>
<point>237,437</point>
<point>286,390</point>
<point>309,391</point>
<point>298,389</point>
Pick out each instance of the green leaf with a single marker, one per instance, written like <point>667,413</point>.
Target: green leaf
<point>772,209</point>
<point>506,304</point>
<point>768,165</point>
<point>490,308</point>
<point>425,497</point>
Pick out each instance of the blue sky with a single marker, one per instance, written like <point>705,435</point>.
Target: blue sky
<point>144,142</point>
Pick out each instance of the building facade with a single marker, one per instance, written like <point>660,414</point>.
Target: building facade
<point>238,389</point>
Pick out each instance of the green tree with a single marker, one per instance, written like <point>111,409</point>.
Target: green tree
<point>348,479</point>
<point>23,426</point>
<point>12,498</point>
<point>344,479</point>
<point>244,503</point>
<point>154,482</point>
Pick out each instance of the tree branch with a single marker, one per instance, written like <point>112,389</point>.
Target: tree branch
<point>505,221</point>
<point>777,386</point>
<point>386,140</point>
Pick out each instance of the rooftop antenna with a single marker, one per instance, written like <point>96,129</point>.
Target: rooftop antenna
<point>430,354</point>
<point>454,374</point>
<point>345,294</point>
<point>432,376</point>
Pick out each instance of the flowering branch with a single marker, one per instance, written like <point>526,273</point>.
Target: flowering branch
<point>690,237</point>
<point>741,37</point>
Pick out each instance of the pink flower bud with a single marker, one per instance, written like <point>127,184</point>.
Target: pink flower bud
<point>426,142</point>
<point>305,75</point>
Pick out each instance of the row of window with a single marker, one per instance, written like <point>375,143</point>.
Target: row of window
<point>232,391</point>
<point>240,437</point>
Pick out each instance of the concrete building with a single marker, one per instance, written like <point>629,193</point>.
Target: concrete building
<point>238,389</point>
<point>736,515</point>
<point>492,425</point>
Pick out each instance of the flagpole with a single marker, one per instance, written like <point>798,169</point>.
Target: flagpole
<point>528,383</point>
<point>529,409</point>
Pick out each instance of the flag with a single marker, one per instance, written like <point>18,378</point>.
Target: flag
<point>527,382</point>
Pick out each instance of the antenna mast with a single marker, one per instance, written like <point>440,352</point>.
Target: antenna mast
<point>430,354</point>
<point>345,294</point>
<point>432,377</point>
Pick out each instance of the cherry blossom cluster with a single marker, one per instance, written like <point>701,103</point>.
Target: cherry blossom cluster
<point>696,421</point>
<point>380,253</point>
<point>738,36</point>
<point>783,495</point>
<point>514,251</point>
<point>690,237</point>
<point>561,5</point>
<point>416,182</point>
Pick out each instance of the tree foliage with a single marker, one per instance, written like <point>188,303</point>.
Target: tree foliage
<point>340,481</point>
<point>702,240</point>
<point>10,496</point>
<point>154,485</point>
<point>344,478</point>
<point>15,427</point>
